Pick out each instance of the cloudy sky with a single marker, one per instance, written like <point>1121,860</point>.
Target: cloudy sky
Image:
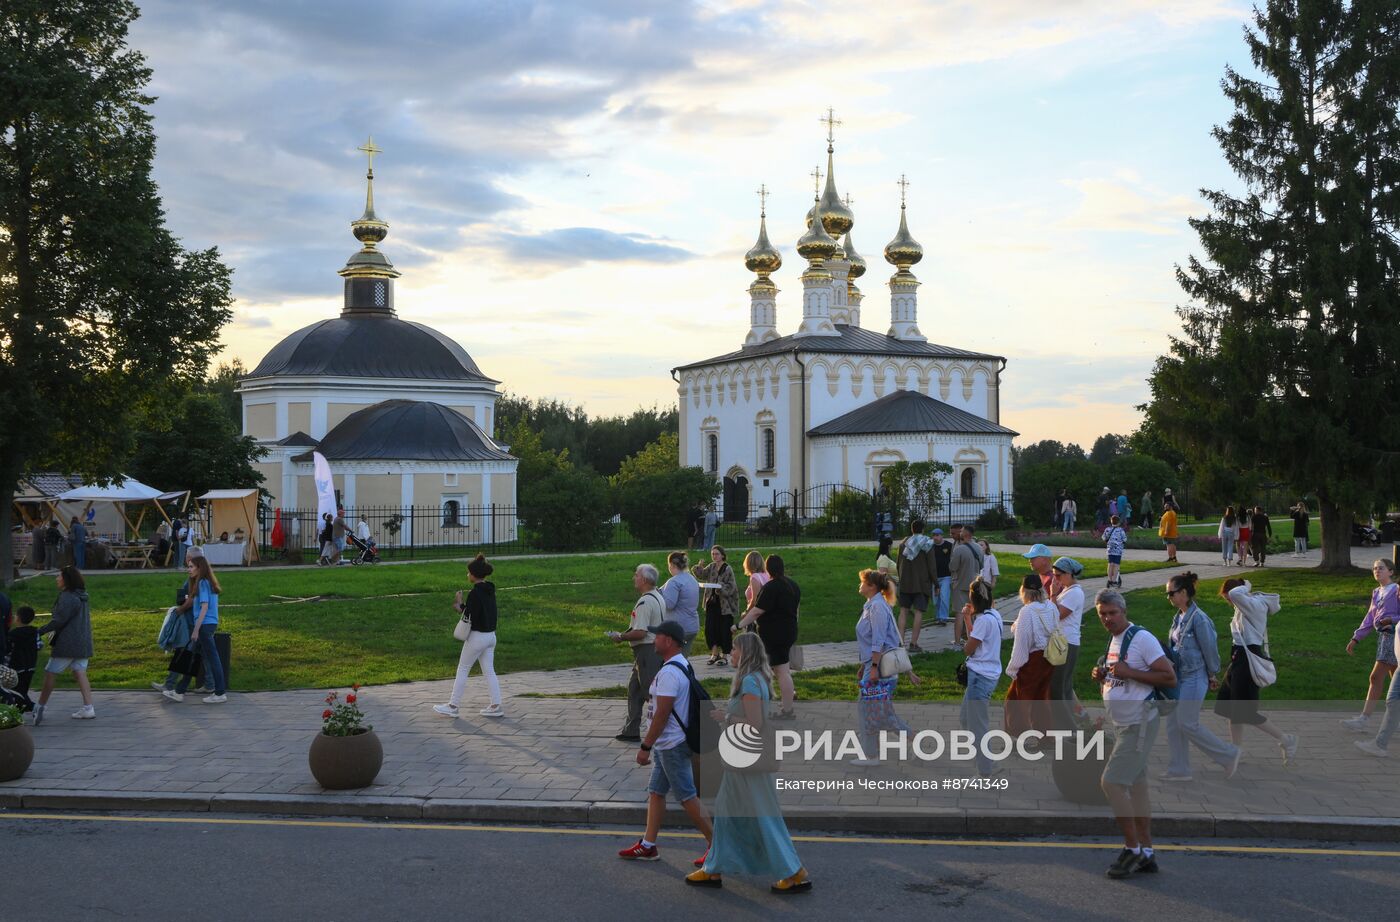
<point>571,185</point>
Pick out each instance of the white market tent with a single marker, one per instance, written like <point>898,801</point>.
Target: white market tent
<point>121,494</point>
<point>230,511</point>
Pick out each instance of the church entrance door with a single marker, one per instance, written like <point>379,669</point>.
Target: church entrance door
<point>736,499</point>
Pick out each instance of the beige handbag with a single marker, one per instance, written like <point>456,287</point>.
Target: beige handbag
<point>1056,645</point>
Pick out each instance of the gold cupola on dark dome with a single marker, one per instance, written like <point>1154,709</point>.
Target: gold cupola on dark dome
<point>369,275</point>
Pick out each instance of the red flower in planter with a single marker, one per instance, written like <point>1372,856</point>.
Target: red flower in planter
<point>326,714</point>
<point>350,698</point>
<point>355,687</point>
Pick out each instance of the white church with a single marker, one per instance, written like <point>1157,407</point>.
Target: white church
<point>400,411</point>
<point>833,402</point>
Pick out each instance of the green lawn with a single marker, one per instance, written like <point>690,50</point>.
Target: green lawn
<point>1308,639</point>
<point>394,623</point>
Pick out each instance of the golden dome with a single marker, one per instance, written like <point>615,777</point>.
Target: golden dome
<point>903,251</point>
<point>857,261</point>
<point>836,217</point>
<point>763,258</point>
<point>816,245</point>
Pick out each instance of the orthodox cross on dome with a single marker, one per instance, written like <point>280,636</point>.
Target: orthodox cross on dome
<point>762,200</point>
<point>848,200</point>
<point>817,182</point>
<point>369,149</point>
<point>831,122</point>
<point>903,189</point>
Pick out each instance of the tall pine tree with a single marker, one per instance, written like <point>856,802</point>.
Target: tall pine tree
<point>1289,360</point>
<point>100,307</point>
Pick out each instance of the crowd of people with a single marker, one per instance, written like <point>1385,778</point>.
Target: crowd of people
<point>1144,681</point>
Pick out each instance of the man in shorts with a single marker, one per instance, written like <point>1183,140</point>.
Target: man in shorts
<point>1133,668</point>
<point>664,747</point>
<point>918,579</point>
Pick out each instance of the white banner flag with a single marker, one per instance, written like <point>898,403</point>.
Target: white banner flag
<point>325,489</point>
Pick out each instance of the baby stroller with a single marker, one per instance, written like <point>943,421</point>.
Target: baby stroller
<point>368,553</point>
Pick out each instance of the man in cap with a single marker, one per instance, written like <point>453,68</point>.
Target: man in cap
<point>665,742</point>
<point>1040,556</point>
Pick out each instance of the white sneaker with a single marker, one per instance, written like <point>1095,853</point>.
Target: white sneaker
<point>1289,747</point>
<point>171,694</point>
<point>493,710</point>
<point>1360,723</point>
<point>158,686</point>
<point>446,710</point>
<point>216,699</point>
<point>84,713</point>
<point>1371,749</point>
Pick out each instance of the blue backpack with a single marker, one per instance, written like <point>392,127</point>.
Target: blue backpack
<point>1165,698</point>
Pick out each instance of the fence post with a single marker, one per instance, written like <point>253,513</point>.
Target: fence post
<point>410,531</point>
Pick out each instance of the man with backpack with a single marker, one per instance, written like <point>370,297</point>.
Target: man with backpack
<point>1132,675</point>
<point>673,715</point>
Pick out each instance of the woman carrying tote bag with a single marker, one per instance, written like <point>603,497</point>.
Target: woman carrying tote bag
<point>478,611</point>
<point>877,635</point>
<point>1250,667</point>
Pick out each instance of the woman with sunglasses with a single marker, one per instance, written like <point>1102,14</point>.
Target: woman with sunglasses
<point>1193,649</point>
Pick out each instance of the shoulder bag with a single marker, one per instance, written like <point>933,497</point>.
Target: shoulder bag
<point>463,629</point>
<point>1056,645</point>
<point>896,660</point>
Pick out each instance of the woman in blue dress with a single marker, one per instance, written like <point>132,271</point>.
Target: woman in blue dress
<point>750,836</point>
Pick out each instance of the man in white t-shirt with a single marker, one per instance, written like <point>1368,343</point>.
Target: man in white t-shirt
<point>1128,682</point>
<point>982,626</point>
<point>1068,597</point>
<point>672,772</point>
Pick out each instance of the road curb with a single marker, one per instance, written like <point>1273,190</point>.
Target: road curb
<point>869,821</point>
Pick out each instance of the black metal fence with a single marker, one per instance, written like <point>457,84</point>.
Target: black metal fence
<point>829,512</point>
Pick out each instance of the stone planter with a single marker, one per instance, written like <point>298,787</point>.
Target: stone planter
<point>340,763</point>
<point>16,752</point>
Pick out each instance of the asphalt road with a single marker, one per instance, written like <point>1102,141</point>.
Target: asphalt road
<point>164,866</point>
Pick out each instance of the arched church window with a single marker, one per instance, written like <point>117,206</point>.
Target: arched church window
<point>769,448</point>
<point>451,513</point>
<point>969,481</point>
<point>712,452</point>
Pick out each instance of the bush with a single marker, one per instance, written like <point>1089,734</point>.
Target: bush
<point>996,519</point>
<point>655,506</point>
<point>568,510</point>
<point>849,514</point>
<point>776,524</point>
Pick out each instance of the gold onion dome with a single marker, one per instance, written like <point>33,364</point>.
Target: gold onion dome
<point>816,245</point>
<point>903,251</point>
<point>857,261</point>
<point>836,217</point>
<point>763,258</point>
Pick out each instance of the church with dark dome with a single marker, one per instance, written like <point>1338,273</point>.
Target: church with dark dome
<point>400,411</point>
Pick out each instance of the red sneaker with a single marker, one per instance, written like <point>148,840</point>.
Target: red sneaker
<point>640,852</point>
<point>700,862</point>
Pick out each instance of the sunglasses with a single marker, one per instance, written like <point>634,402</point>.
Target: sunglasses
<point>1172,592</point>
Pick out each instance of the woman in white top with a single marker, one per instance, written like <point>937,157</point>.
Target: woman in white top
<point>1238,698</point>
<point>983,649</point>
<point>1229,532</point>
<point>1028,698</point>
<point>1068,598</point>
<point>990,569</point>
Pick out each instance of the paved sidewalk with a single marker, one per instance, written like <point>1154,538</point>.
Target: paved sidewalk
<point>555,760</point>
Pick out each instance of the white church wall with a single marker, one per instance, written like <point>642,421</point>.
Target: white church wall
<point>858,459</point>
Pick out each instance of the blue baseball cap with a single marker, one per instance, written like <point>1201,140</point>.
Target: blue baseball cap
<point>1038,550</point>
<point>938,531</point>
